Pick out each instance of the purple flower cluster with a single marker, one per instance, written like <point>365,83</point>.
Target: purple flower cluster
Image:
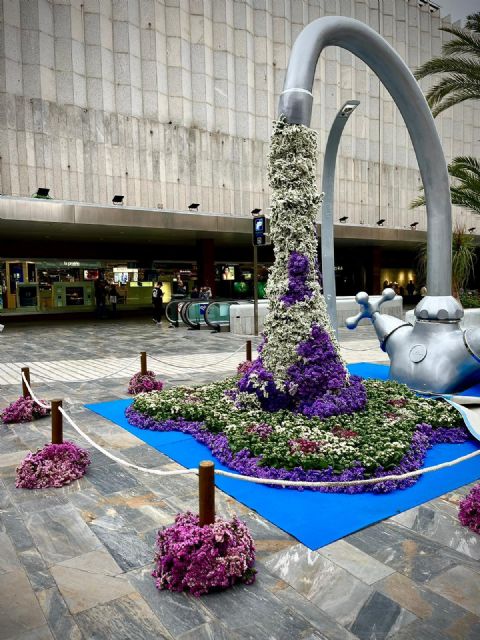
<point>261,429</point>
<point>469,512</point>
<point>317,382</point>
<point>198,559</point>
<point>55,465</point>
<point>143,383</point>
<point>247,464</point>
<point>298,289</point>
<point>23,410</point>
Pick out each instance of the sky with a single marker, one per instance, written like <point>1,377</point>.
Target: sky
<point>458,9</point>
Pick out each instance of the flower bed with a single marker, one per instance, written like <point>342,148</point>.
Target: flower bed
<point>23,410</point>
<point>469,512</point>
<point>144,383</point>
<point>200,559</point>
<point>55,465</point>
<point>391,435</point>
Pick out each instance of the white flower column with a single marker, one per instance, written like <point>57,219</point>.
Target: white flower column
<point>295,204</point>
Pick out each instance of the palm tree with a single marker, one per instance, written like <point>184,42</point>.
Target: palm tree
<point>463,260</point>
<point>460,61</point>
<point>465,191</point>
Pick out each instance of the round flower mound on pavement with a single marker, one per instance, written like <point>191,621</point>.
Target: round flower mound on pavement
<point>143,383</point>
<point>23,410</point>
<point>201,559</point>
<point>55,465</point>
<point>391,435</point>
<point>469,512</point>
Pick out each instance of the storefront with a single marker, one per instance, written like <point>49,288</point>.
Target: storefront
<point>53,286</point>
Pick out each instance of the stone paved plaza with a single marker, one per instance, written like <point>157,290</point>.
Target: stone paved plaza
<point>75,562</point>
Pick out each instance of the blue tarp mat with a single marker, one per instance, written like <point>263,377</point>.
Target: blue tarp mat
<point>314,518</point>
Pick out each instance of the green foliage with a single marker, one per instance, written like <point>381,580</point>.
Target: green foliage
<point>379,435</point>
<point>460,64</point>
<point>465,188</point>
<point>463,259</point>
<point>470,300</point>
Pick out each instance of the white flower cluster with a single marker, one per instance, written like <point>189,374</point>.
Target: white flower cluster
<point>295,204</point>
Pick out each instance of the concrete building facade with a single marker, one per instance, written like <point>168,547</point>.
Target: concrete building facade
<point>170,102</point>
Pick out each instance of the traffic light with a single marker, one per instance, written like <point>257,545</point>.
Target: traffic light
<point>259,228</point>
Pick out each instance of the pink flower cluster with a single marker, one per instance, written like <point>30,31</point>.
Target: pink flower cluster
<point>143,383</point>
<point>55,465</point>
<point>261,429</point>
<point>469,512</point>
<point>244,367</point>
<point>198,559</point>
<point>301,445</point>
<point>344,433</point>
<point>23,410</point>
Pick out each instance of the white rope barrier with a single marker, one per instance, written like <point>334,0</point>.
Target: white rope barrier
<point>106,453</point>
<point>81,379</point>
<point>267,481</point>
<point>205,366</point>
<point>33,396</point>
<point>348,483</point>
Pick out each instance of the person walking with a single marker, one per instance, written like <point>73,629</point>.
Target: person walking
<point>157,301</point>
<point>113,298</point>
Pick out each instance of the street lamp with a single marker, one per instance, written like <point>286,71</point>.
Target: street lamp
<point>328,186</point>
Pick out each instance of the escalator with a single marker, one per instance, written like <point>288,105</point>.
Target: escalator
<point>217,315</point>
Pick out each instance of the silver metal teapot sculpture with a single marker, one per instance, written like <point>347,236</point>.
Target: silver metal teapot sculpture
<point>435,354</point>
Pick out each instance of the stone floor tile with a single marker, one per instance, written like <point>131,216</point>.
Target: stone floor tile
<point>13,524</point>
<point>60,534</point>
<point>254,613</point>
<point>36,569</point>
<point>83,585</point>
<point>439,521</point>
<point>380,617</point>
<point>358,563</point>
<point>13,459</point>
<point>19,609</point>
<point>109,479</point>
<point>337,592</point>
<point>127,618</point>
<point>460,585</point>
<point>210,631</point>
<point>179,613</point>
<point>438,611</point>
<point>40,633</point>
<point>62,624</point>
<point>405,551</point>
<point>325,625</point>
<point>8,557</point>
<point>125,545</point>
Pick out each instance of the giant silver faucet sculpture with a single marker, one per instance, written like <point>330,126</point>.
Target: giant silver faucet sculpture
<point>434,355</point>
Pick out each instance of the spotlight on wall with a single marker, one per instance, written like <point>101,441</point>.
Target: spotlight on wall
<point>472,229</point>
<point>117,199</point>
<point>255,212</point>
<point>343,218</point>
<point>380,222</point>
<point>42,192</point>
<point>413,226</point>
<point>194,206</point>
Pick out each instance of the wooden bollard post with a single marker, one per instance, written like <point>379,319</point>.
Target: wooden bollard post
<point>206,492</point>
<point>57,422</point>
<point>249,350</point>
<point>143,362</point>
<point>26,373</point>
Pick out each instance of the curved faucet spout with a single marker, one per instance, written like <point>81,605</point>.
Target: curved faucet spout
<point>296,105</point>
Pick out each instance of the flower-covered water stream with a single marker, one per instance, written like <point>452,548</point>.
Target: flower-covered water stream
<point>295,413</point>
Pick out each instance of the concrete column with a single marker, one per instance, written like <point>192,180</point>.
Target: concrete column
<point>206,263</point>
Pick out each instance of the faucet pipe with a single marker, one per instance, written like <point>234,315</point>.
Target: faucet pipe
<point>296,103</point>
